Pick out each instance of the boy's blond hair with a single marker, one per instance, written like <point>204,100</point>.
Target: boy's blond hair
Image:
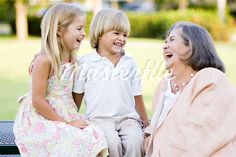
<point>61,14</point>
<point>107,20</point>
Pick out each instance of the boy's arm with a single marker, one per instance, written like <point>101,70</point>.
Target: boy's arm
<point>140,108</point>
<point>78,97</point>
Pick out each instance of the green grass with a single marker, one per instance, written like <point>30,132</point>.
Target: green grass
<point>16,57</point>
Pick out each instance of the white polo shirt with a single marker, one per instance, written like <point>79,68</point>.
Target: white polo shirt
<point>108,91</point>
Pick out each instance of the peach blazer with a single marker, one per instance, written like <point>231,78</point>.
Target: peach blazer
<point>202,122</point>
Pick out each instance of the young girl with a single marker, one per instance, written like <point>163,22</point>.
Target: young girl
<point>109,82</point>
<point>47,123</point>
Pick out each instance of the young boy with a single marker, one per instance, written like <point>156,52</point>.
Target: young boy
<point>109,82</point>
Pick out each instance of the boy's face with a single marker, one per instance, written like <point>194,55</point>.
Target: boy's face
<point>112,42</point>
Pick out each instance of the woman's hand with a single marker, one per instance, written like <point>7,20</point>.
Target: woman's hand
<point>146,142</point>
<point>79,123</point>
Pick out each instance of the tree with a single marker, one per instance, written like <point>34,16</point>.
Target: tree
<point>221,4</point>
<point>183,4</point>
<point>95,5</point>
<point>21,20</point>
<point>169,4</point>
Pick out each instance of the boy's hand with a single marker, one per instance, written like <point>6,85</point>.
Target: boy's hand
<point>145,123</point>
<point>79,123</point>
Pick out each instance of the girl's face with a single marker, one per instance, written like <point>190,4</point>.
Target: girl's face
<point>72,35</point>
<point>174,50</point>
<point>112,42</point>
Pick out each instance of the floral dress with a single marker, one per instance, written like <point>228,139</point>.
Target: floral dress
<point>37,136</point>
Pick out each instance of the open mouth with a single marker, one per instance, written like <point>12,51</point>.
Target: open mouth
<point>79,40</point>
<point>168,55</point>
<point>118,44</point>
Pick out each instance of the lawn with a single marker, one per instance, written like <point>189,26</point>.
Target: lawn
<point>16,57</point>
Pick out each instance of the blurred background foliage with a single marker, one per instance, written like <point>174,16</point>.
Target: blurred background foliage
<point>20,38</point>
<point>149,18</point>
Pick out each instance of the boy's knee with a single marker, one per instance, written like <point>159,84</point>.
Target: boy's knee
<point>114,141</point>
<point>115,147</point>
<point>135,141</point>
<point>136,137</point>
<point>135,144</point>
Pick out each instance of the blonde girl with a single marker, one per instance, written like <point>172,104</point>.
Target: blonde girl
<point>47,122</point>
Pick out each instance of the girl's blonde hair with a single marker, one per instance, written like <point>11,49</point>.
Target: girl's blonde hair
<point>60,14</point>
<point>107,20</point>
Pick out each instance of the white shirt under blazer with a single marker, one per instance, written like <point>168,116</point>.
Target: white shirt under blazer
<point>108,90</point>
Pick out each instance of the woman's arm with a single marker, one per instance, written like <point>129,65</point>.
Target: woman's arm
<point>207,126</point>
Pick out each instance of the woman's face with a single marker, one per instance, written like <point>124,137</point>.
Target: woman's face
<point>175,50</point>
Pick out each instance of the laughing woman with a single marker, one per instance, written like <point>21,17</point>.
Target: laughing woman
<point>194,107</point>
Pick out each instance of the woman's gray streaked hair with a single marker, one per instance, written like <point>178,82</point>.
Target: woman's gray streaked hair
<point>201,44</point>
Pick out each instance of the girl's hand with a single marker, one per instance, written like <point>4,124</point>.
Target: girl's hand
<point>79,123</point>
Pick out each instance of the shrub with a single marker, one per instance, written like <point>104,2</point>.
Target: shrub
<point>155,25</point>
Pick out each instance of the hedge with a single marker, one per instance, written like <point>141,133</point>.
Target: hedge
<point>155,25</point>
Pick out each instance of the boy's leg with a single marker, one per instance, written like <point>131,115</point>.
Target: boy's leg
<point>114,141</point>
<point>131,138</point>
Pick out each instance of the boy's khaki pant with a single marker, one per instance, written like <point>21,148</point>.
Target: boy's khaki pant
<point>124,136</point>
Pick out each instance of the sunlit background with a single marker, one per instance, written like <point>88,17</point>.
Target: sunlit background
<point>150,19</point>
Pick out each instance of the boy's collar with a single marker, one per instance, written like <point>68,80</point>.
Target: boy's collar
<point>94,56</point>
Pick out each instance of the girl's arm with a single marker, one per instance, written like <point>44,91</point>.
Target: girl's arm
<point>78,99</point>
<point>140,108</point>
<point>40,74</point>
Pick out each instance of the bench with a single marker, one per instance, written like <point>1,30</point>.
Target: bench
<point>8,147</point>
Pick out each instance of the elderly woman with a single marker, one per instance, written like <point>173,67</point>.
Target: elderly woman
<point>195,106</point>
